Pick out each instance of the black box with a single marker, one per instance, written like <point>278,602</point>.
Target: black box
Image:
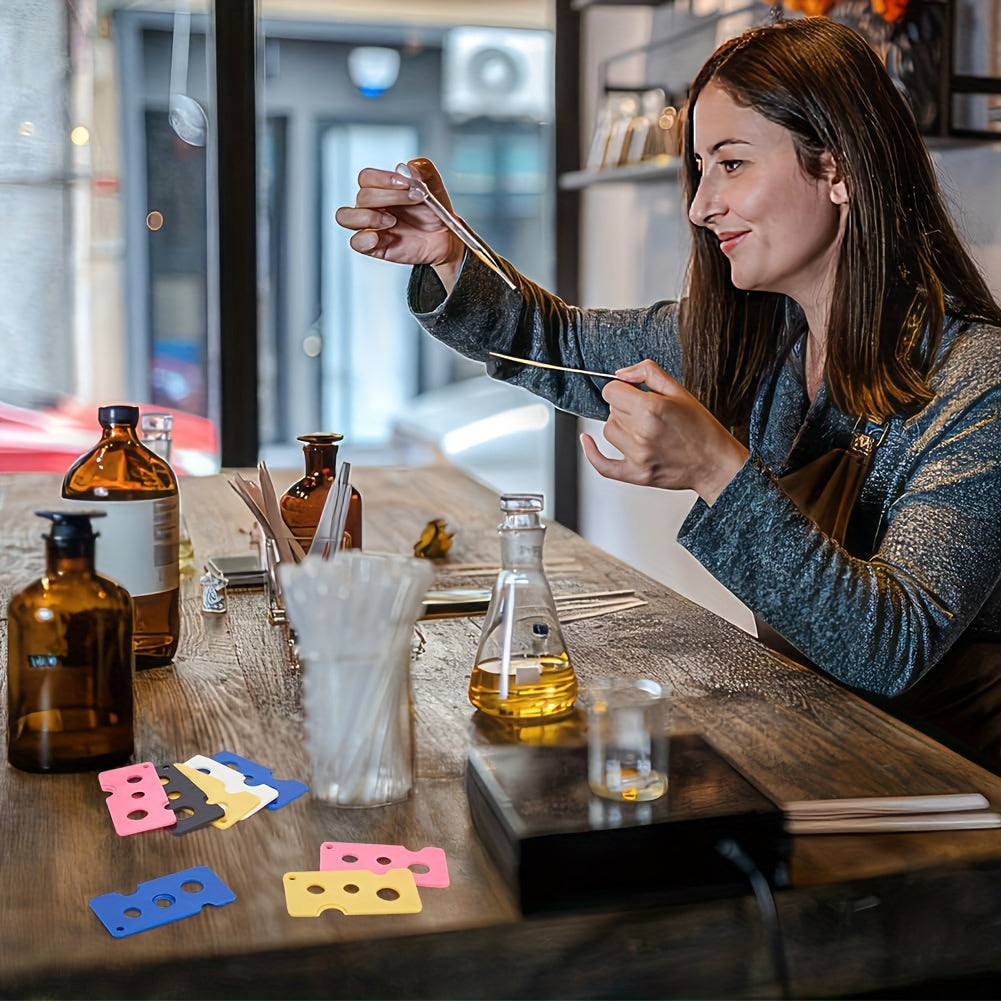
<point>559,846</point>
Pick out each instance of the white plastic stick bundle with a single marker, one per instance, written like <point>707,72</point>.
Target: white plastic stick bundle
<point>330,528</point>
<point>353,617</point>
<point>262,500</point>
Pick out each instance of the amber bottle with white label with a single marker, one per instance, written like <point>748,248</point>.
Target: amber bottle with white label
<point>137,490</point>
<point>69,659</point>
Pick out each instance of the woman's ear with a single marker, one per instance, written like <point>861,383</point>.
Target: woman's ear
<point>831,172</point>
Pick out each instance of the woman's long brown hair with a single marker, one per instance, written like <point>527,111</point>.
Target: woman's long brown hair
<point>902,266</point>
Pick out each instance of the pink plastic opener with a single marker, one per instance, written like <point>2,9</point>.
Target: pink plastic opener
<point>428,865</point>
<point>138,801</point>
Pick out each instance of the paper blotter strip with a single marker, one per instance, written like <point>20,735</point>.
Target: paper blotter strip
<point>161,901</point>
<point>308,894</point>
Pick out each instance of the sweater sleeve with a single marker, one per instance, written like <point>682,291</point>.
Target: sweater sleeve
<point>877,624</point>
<point>481,314</point>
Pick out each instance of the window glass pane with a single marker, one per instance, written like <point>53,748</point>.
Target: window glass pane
<point>108,282</point>
<point>339,350</point>
<point>103,262</point>
<point>178,267</point>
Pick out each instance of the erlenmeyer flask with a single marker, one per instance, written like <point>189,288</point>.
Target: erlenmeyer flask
<point>522,670</point>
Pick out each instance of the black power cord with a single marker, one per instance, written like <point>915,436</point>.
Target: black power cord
<point>730,850</point>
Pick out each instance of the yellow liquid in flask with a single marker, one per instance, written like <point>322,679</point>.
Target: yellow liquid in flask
<point>539,687</point>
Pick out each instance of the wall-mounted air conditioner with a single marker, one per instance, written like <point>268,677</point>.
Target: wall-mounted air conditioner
<point>502,73</point>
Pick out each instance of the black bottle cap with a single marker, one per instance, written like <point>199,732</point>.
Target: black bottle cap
<point>118,413</point>
<point>68,525</point>
<point>321,438</point>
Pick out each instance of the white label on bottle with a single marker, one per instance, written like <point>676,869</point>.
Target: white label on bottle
<point>137,543</point>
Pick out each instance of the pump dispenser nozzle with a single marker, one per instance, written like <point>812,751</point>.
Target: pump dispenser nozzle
<point>71,525</point>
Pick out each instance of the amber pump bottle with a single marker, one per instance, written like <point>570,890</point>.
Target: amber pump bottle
<point>302,504</point>
<point>69,659</point>
<point>137,490</point>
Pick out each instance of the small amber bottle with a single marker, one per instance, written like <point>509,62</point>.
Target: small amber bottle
<point>302,504</point>
<point>137,490</point>
<point>70,659</point>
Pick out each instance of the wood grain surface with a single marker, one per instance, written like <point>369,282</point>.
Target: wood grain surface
<point>863,913</point>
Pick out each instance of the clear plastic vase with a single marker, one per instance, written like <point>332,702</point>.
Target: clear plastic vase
<point>353,616</point>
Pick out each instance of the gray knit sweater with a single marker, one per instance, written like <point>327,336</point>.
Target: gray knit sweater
<point>921,566</point>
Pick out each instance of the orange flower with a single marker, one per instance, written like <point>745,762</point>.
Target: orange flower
<point>890,10</point>
<point>811,8</point>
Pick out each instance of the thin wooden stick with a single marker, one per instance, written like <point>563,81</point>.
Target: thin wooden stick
<point>588,596</point>
<point>573,616</point>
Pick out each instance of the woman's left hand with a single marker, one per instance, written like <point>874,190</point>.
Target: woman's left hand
<point>666,437</point>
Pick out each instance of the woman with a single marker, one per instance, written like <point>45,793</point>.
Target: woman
<point>834,331</point>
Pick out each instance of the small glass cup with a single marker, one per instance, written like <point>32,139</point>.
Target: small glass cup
<point>627,740</point>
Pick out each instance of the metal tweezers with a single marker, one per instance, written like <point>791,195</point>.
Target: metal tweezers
<point>456,225</point>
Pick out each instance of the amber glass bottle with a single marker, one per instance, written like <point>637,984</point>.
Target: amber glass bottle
<point>137,490</point>
<point>302,504</point>
<point>69,659</point>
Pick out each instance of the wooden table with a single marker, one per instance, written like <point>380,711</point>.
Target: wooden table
<point>863,912</point>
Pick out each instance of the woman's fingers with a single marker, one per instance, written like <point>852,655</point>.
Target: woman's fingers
<point>368,241</point>
<point>611,469</point>
<point>428,173</point>
<point>647,373</point>
<point>373,177</point>
<point>363,218</point>
<point>391,221</point>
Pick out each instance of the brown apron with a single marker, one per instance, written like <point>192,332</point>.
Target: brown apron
<point>825,490</point>
<point>958,702</point>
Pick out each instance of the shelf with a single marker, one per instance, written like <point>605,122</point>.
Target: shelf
<point>654,170</point>
<point>962,139</point>
<point>667,170</point>
<point>584,4</point>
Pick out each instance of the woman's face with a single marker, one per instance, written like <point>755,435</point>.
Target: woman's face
<point>779,228</point>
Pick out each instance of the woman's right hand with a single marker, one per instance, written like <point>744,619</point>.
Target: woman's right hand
<point>392,222</point>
